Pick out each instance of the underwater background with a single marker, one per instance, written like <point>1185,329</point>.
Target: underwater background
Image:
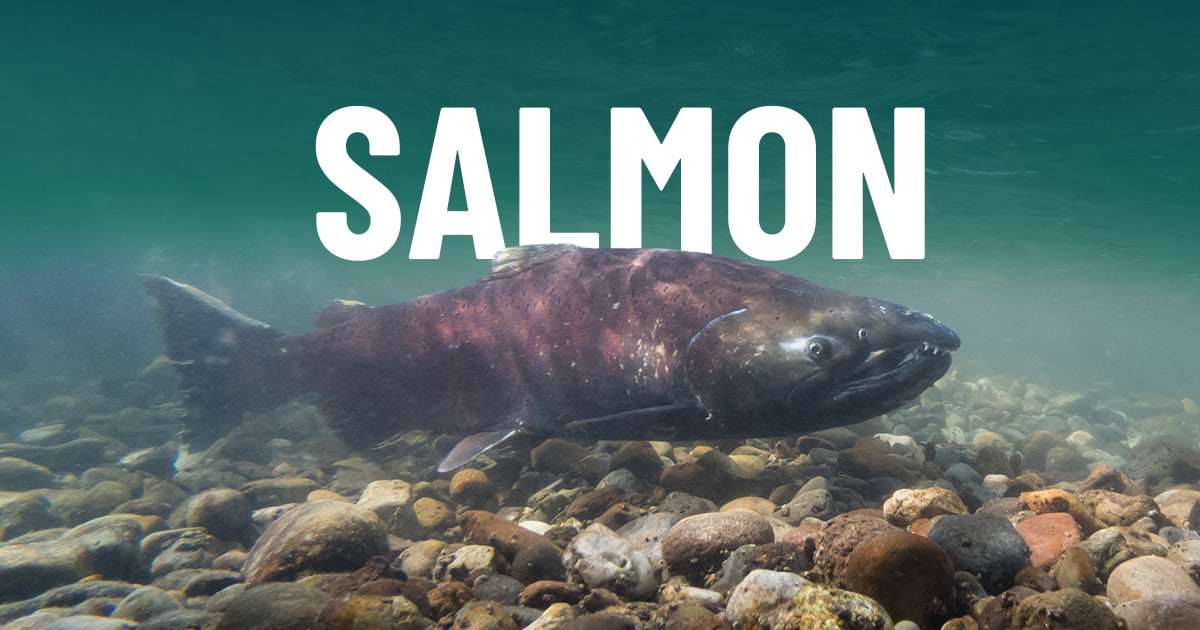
<point>1061,154</point>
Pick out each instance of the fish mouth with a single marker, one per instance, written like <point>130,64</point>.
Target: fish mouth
<point>897,374</point>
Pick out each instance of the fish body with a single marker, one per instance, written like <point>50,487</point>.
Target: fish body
<point>567,341</point>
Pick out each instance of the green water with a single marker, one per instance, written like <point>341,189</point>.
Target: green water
<point>178,139</point>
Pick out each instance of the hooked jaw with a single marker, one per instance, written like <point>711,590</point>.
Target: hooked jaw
<point>899,372</point>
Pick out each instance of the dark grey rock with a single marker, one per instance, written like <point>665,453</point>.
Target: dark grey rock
<point>18,474</point>
<point>986,545</point>
<point>684,505</point>
<point>145,603</point>
<point>498,588</point>
<point>193,548</point>
<point>278,606</point>
<point>74,456</point>
<point>184,619</point>
<point>26,514</point>
<point>961,474</point>
<point>27,569</point>
<point>112,543</point>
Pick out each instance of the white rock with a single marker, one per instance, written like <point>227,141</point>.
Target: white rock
<point>602,559</point>
<point>761,597</point>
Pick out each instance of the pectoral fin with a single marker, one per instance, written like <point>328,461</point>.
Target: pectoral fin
<point>661,422</point>
<point>473,446</point>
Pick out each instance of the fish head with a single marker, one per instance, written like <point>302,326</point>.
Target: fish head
<point>810,357</point>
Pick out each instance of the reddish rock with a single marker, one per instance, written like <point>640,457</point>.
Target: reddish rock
<point>485,528</point>
<point>841,536</point>
<point>1047,536</point>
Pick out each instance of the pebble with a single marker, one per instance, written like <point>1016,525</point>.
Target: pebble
<point>824,608</point>
<point>983,544</point>
<point>316,536</point>
<point>699,544</point>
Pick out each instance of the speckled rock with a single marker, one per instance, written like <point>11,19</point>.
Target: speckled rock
<point>841,536</point>
<point>418,560</point>
<point>906,506</point>
<point>278,606</point>
<point>823,608</point>
<point>318,536</point>
<point>909,575</point>
<point>1148,576</point>
<point>601,559</point>
<point>983,544</point>
<point>1047,536</point>
<point>363,612</point>
<point>1161,612</point>
<point>483,616</point>
<point>683,505</point>
<point>465,563</point>
<point>698,544</point>
<point>1068,609</point>
<point>1116,509</point>
<point>1186,553</point>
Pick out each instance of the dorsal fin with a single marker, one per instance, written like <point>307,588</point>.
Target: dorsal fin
<point>340,311</point>
<point>514,260</point>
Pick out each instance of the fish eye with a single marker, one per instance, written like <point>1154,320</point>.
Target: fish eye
<point>863,334</point>
<point>817,349</point>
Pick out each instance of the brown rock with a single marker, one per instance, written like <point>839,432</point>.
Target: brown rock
<point>483,616</point>
<point>640,458</point>
<point>1177,506</point>
<point>470,487</point>
<point>448,597</point>
<point>1074,570</point>
<point>872,457</point>
<point>1067,609</point>
<point>1047,536</point>
<point>321,536</point>
<point>777,556</point>
<point>1037,445</point>
<point>908,574</point>
<point>432,514</point>
<point>555,455</point>
<point>758,505</point>
<point>543,593</point>
<point>699,544</point>
<point>485,528</point>
<point>592,503</point>
<point>278,491</point>
<point>1105,477</point>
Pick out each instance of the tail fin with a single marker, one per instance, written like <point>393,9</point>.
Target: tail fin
<point>230,363</point>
